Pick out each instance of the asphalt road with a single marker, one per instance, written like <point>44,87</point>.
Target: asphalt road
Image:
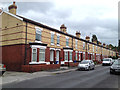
<point>98,78</point>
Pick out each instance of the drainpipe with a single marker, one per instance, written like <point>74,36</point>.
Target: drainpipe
<point>25,45</point>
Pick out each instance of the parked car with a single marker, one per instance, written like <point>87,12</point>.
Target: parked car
<point>113,60</point>
<point>115,68</point>
<point>86,65</point>
<point>107,61</point>
<point>2,69</point>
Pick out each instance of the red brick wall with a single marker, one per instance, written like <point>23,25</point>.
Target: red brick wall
<point>47,54</point>
<point>13,57</point>
<point>35,68</point>
<point>62,55</point>
<point>86,55</point>
<point>73,55</point>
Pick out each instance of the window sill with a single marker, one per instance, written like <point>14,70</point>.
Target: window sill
<point>71,61</point>
<point>52,44</point>
<point>37,62</point>
<point>38,41</point>
<point>58,45</point>
<point>67,46</point>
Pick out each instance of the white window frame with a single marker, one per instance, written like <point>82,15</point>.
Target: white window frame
<point>32,55</point>
<point>83,45</point>
<point>52,38</point>
<point>37,32</point>
<point>58,40</point>
<point>35,47</point>
<point>67,42</point>
<point>70,55</point>
<point>66,53</point>
<point>42,53</point>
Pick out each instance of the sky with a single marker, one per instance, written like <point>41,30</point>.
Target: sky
<point>99,17</point>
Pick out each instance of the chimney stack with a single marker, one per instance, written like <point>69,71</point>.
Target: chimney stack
<point>95,41</point>
<point>99,43</point>
<point>78,34</point>
<point>103,44</point>
<point>63,28</point>
<point>12,8</point>
<point>87,38</point>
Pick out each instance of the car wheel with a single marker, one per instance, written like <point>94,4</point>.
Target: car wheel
<point>111,72</point>
<point>88,68</point>
<point>3,72</point>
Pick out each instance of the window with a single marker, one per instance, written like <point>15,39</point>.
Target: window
<point>88,47</point>
<point>70,55</point>
<point>58,40</point>
<point>67,41</point>
<point>76,56</point>
<point>41,54</point>
<point>38,34</point>
<point>76,44</point>
<point>34,54</point>
<point>52,38</point>
<point>96,49</point>
<point>66,56</point>
<point>83,45</point>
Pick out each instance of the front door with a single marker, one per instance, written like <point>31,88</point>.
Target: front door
<point>57,56</point>
<point>51,55</point>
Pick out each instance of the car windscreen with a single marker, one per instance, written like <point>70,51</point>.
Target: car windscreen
<point>117,62</point>
<point>106,59</point>
<point>84,62</point>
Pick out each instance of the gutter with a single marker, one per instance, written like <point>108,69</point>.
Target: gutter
<point>25,46</point>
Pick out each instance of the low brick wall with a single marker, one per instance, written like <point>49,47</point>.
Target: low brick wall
<point>35,68</point>
<point>72,64</point>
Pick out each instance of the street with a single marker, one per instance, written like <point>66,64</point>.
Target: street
<point>98,78</point>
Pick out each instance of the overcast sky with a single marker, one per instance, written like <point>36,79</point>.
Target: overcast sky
<point>99,17</point>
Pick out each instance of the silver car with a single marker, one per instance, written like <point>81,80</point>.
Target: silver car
<point>115,68</point>
<point>86,65</point>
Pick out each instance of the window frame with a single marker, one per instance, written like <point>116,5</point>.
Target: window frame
<point>39,33</point>
<point>52,38</point>
<point>70,55</point>
<point>58,39</point>
<point>32,55</point>
<point>65,55</point>
<point>67,42</point>
<point>42,53</point>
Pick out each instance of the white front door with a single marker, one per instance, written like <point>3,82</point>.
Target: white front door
<point>57,55</point>
<point>51,55</point>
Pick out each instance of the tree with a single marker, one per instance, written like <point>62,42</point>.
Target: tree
<point>94,38</point>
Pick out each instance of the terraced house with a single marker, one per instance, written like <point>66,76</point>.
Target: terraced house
<point>30,46</point>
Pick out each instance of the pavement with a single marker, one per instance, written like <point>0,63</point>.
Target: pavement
<point>11,76</point>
